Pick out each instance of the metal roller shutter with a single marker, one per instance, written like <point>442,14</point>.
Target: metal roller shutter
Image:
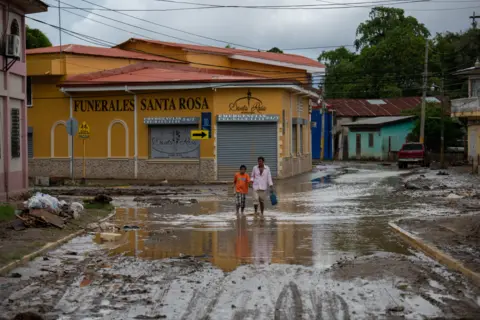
<point>242,143</point>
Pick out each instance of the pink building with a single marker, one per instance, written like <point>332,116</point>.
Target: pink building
<point>14,97</point>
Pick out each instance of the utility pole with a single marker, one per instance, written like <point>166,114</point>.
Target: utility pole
<point>424,95</point>
<point>60,24</point>
<point>322,141</point>
<point>442,127</point>
<point>474,21</point>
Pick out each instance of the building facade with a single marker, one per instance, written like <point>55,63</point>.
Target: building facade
<point>378,138</point>
<point>347,111</point>
<point>469,108</point>
<point>13,97</point>
<point>323,122</point>
<point>143,111</point>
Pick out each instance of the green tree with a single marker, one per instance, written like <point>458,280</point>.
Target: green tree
<point>275,50</point>
<point>452,51</point>
<point>388,62</point>
<point>228,46</point>
<point>36,39</point>
<point>453,129</point>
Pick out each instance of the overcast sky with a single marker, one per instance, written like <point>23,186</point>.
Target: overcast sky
<point>255,28</point>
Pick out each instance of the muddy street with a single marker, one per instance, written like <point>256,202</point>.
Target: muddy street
<point>324,252</point>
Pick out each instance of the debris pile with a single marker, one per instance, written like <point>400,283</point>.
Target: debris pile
<point>43,210</point>
<point>100,198</point>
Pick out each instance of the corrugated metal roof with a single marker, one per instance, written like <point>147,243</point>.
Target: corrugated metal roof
<point>99,51</point>
<point>362,108</point>
<point>377,121</point>
<point>280,57</point>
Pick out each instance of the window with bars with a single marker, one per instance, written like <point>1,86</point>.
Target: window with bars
<point>294,139</point>
<point>301,140</point>
<point>15,133</point>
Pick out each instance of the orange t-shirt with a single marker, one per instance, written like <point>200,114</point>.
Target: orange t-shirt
<point>241,182</point>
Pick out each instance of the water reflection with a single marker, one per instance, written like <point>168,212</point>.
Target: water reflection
<point>318,220</point>
<point>246,240</point>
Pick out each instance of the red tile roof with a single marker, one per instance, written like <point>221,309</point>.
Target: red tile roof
<point>364,108</point>
<point>158,73</point>
<point>99,51</point>
<point>279,57</point>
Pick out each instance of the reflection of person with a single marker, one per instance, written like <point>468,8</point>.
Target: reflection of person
<point>240,185</point>
<point>262,181</point>
<point>241,245</point>
<point>262,243</point>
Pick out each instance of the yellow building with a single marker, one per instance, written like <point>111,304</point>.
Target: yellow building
<point>142,99</point>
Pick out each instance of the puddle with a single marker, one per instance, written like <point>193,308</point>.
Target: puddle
<point>319,220</point>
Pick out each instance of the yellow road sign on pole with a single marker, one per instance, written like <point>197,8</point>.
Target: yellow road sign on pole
<point>199,135</point>
<point>84,131</point>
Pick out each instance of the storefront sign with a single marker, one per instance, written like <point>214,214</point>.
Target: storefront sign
<point>248,118</point>
<point>146,104</point>
<point>171,120</point>
<point>248,105</point>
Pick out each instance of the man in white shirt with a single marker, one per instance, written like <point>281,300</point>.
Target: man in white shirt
<point>261,179</point>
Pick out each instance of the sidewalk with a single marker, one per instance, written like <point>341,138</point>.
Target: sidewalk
<point>14,245</point>
<point>457,236</point>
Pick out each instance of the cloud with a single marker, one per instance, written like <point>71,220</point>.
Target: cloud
<point>260,29</point>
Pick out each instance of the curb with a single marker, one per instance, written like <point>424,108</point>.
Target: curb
<point>436,253</point>
<point>49,246</point>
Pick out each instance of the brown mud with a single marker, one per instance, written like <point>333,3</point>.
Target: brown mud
<point>459,236</point>
<point>16,244</point>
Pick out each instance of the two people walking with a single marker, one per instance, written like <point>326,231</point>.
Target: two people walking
<point>260,181</point>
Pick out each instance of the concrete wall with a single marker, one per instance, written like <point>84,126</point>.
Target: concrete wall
<point>13,170</point>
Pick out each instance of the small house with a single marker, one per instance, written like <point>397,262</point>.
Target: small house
<point>378,138</point>
<point>468,108</point>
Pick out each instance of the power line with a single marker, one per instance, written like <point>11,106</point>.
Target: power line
<point>131,25</point>
<point>331,5</point>
<point>171,28</point>
<point>105,24</point>
<point>307,6</point>
<point>163,56</point>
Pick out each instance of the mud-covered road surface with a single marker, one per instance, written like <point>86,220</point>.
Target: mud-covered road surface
<point>325,252</point>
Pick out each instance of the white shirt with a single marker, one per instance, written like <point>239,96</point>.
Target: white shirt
<point>261,181</point>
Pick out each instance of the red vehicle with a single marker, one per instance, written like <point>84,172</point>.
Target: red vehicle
<point>413,153</point>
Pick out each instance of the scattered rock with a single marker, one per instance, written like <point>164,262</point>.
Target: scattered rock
<point>102,198</point>
<point>131,228</point>
<point>107,226</point>
<point>443,173</point>
<point>259,288</point>
<point>93,226</point>
<point>454,196</point>
<point>396,308</point>
<point>16,275</point>
<point>110,236</point>
<point>411,186</point>
<point>28,316</point>
<point>233,306</point>
<point>71,253</point>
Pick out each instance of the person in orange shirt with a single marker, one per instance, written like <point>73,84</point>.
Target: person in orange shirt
<point>241,182</point>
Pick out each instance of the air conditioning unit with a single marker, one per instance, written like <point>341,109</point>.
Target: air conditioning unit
<point>12,46</point>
